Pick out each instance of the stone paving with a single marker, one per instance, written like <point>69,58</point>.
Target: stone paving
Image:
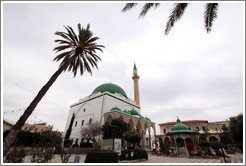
<point>237,158</point>
<point>164,159</point>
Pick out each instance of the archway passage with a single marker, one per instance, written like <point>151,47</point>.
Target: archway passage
<point>131,125</point>
<point>180,142</point>
<point>167,141</point>
<point>213,138</point>
<point>161,141</point>
<point>109,119</point>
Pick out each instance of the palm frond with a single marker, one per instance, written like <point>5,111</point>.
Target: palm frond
<point>128,6</point>
<point>209,15</point>
<point>78,50</point>
<point>147,7</point>
<point>176,14</point>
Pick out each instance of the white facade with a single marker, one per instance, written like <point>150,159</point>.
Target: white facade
<point>92,108</point>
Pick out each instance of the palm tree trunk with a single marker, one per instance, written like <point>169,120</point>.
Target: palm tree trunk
<point>17,127</point>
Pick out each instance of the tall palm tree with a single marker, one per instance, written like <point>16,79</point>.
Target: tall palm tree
<point>76,52</point>
<point>178,10</point>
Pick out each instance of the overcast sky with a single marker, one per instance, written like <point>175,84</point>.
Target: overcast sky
<point>189,73</point>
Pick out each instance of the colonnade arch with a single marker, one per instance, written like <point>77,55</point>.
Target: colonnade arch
<point>144,127</point>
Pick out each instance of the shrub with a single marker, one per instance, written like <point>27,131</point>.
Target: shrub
<point>96,146</point>
<point>65,155</point>
<point>58,149</point>
<point>165,149</point>
<point>204,144</point>
<point>85,145</point>
<point>216,145</point>
<point>137,154</point>
<point>101,156</point>
<point>132,137</point>
<point>16,156</point>
<point>199,153</point>
<point>43,155</point>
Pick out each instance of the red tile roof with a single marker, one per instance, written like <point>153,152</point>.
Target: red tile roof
<point>187,121</point>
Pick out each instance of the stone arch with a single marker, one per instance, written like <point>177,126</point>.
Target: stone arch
<point>109,119</point>
<point>188,140</point>
<point>131,124</point>
<point>213,138</point>
<point>139,126</point>
<point>167,140</point>
<point>121,118</point>
<point>152,125</point>
<point>180,142</point>
<point>201,139</point>
<point>146,127</point>
<point>161,141</point>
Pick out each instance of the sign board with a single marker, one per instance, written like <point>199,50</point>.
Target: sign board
<point>107,144</point>
<point>77,158</point>
<point>117,145</point>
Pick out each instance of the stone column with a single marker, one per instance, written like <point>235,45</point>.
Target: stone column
<point>175,144</point>
<point>143,138</point>
<point>149,140</point>
<point>186,150</point>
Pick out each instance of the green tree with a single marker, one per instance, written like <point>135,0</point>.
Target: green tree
<point>91,131</point>
<point>204,135</point>
<point>236,130</point>
<point>178,10</point>
<point>115,129</point>
<point>225,136</point>
<point>40,139</point>
<point>76,52</point>
<point>132,137</point>
<point>68,132</point>
<point>49,139</point>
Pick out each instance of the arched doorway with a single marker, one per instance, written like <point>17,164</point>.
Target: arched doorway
<point>180,142</point>
<point>213,138</point>
<point>131,125</point>
<point>167,141</point>
<point>109,119</point>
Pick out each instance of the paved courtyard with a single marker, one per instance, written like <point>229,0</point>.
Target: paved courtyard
<point>163,159</point>
<point>237,158</point>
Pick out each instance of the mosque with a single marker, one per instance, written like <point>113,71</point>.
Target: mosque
<point>107,102</point>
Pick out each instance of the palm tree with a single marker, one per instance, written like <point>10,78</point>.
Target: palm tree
<point>76,52</point>
<point>209,15</point>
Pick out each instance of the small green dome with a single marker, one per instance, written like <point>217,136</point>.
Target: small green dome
<point>133,112</point>
<point>179,126</point>
<point>109,87</point>
<point>115,109</point>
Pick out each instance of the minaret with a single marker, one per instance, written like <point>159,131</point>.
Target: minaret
<point>135,78</point>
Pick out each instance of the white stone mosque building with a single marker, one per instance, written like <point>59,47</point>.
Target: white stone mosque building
<point>106,102</point>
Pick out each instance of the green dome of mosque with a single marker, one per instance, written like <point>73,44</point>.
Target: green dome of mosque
<point>109,87</point>
<point>180,126</point>
<point>133,112</point>
<point>115,109</point>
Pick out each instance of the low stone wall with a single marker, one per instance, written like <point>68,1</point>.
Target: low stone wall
<point>31,150</point>
<point>77,150</point>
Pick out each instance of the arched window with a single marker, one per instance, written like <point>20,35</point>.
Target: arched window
<point>82,123</point>
<point>90,120</point>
